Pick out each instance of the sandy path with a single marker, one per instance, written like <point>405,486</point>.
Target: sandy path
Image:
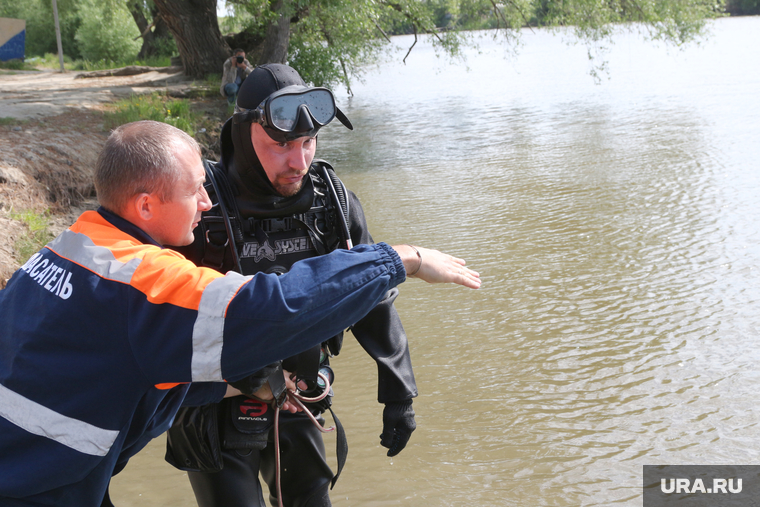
<point>26,95</point>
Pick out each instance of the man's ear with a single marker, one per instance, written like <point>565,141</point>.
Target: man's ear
<point>144,206</point>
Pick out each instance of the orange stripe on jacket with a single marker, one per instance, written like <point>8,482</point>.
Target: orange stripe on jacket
<point>167,386</point>
<point>164,276</point>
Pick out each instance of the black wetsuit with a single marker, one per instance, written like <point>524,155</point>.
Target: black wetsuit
<point>306,475</point>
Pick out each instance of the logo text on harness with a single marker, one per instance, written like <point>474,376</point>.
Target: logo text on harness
<point>281,246</point>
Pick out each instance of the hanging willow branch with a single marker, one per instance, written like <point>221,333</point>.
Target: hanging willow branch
<point>415,24</point>
<point>413,44</point>
<point>346,81</point>
<point>381,31</point>
<point>498,13</point>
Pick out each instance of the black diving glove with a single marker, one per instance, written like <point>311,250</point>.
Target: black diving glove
<point>252,383</point>
<point>398,425</point>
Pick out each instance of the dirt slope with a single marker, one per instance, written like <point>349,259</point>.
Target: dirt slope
<point>48,152</point>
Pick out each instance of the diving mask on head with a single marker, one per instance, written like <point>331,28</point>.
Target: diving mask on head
<point>292,112</point>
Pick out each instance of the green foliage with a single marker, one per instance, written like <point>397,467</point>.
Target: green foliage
<point>91,30</point>
<point>472,15</point>
<point>107,31</point>
<point>244,16</point>
<point>333,43</point>
<point>162,41</point>
<point>594,24</point>
<point>334,40</point>
<point>37,234</point>
<point>166,48</point>
<point>743,7</point>
<point>157,107</point>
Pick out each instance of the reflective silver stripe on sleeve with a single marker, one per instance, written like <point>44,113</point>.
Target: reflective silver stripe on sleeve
<point>42,421</point>
<point>208,331</point>
<point>100,260</point>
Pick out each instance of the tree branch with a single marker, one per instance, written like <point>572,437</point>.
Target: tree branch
<point>345,76</point>
<point>381,31</point>
<point>498,15</point>
<point>145,32</point>
<point>506,23</point>
<point>413,44</point>
<point>346,81</point>
<point>415,22</point>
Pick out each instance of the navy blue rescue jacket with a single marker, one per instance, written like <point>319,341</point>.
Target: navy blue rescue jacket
<point>101,330</point>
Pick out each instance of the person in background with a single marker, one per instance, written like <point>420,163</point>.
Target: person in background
<point>234,71</point>
<point>105,333</point>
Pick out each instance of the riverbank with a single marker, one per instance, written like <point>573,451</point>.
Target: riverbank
<point>51,132</point>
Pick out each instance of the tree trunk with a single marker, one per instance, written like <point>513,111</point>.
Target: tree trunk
<point>142,25</point>
<point>275,48</point>
<point>160,28</point>
<point>196,31</point>
<point>151,38</point>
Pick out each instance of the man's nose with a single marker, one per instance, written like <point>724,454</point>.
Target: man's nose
<point>205,202</point>
<point>299,158</point>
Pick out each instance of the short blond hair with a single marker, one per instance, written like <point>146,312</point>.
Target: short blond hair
<point>139,157</point>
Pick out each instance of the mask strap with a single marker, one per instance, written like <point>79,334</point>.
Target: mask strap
<point>343,118</point>
<point>246,116</point>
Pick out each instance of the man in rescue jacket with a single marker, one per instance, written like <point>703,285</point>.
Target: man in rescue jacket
<point>103,330</point>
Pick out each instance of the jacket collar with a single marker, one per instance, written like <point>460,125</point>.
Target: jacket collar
<point>127,227</point>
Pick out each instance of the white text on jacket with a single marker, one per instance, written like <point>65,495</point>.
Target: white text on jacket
<point>49,276</point>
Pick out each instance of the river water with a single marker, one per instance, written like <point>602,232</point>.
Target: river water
<point>615,227</point>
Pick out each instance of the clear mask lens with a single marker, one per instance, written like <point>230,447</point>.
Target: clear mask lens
<point>283,110</point>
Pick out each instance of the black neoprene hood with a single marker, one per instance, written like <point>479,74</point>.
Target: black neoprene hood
<point>264,81</point>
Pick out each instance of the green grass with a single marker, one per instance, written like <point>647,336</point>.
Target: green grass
<point>87,65</point>
<point>37,234</point>
<point>51,61</point>
<point>8,120</point>
<point>212,80</point>
<point>157,107</point>
<point>16,65</point>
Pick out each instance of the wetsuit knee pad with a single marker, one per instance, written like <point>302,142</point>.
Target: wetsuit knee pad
<point>320,498</point>
<point>305,474</point>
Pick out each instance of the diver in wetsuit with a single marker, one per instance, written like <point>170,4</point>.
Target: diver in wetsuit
<point>279,205</point>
